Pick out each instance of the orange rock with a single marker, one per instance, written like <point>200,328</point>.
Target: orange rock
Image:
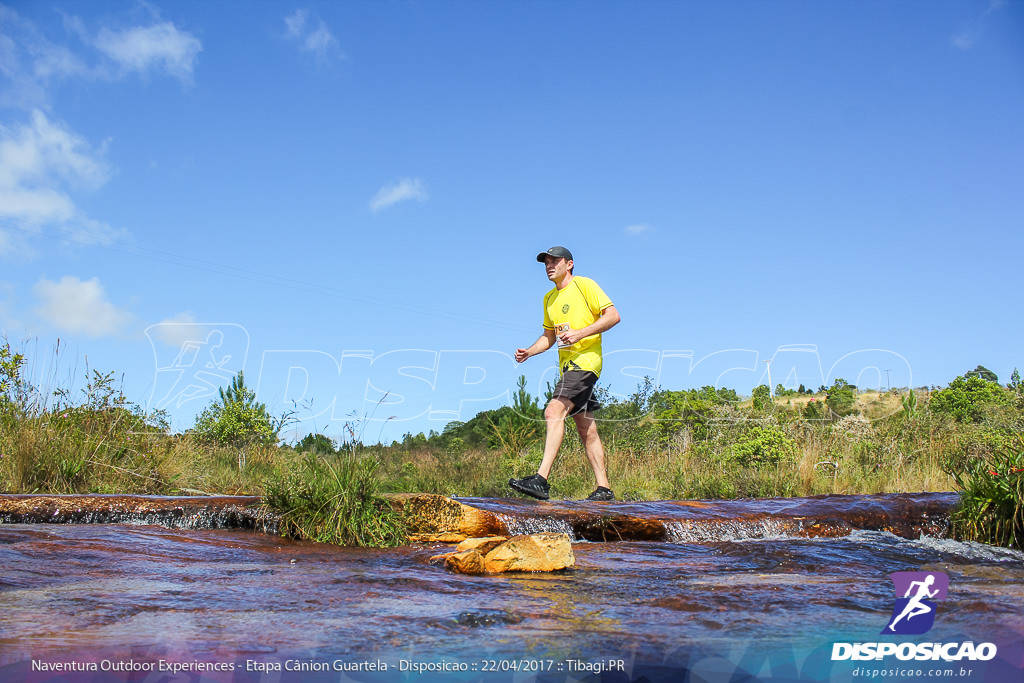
<point>544,552</point>
<point>481,545</point>
<point>466,562</point>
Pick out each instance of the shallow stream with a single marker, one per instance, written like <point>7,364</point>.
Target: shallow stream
<point>758,601</point>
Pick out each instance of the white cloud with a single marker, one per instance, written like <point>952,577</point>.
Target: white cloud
<point>312,35</point>
<point>79,307</point>
<point>43,150</point>
<point>31,63</point>
<point>969,37</point>
<point>404,190</point>
<point>158,47</point>
<point>41,163</point>
<point>84,231</point>
<point>638,228</point>
<point>35,206</point>
<point>179,329</point>
<point>296,23</point>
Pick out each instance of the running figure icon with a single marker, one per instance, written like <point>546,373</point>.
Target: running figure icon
<point>915,607</point>
<point>914,612</point>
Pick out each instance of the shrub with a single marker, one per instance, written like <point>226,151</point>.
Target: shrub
<point>316,443</point>
<point>762,398</point>
<point>10,377</point>
<point>628,424</point>
<point>992,491</point>
<point>763,445</point>
<point>910,405</point>
<point>983,373</point>
<point>236,418</point>
<point>814,410</point>
<point>692,409</point>
<point>783,392</point>
<point>968,399</point>
<point>1016,388</point>
<point>840,400</point>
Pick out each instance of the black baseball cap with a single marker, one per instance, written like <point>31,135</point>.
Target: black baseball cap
<point>557,252</point>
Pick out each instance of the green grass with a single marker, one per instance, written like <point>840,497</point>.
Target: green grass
<point>334,499</point>
<point>102,443</point>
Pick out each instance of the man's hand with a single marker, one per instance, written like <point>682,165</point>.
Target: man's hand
<point>571,337</point>
<point>609,319</point>
<point>543,343</point>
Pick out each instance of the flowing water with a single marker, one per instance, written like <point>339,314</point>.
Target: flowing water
<point>725,591</point>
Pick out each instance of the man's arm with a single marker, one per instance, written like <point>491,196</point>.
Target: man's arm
<point>609,319</point>
<point>543,343</point>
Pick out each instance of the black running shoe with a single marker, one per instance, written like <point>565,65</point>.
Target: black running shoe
<point>533,485</point>
<point>601,493</point>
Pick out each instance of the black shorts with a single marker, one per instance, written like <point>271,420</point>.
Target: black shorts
<point>578,387</point>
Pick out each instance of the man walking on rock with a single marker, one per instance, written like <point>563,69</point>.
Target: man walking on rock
<point>576,312</point>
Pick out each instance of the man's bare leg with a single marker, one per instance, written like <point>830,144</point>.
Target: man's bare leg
<point>554,414</point>
<point>586,425</point>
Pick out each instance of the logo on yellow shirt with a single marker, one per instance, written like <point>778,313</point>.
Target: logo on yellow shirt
<point>565,308</point>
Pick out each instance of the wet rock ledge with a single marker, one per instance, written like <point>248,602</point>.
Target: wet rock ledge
<point>175,512</point>
<point>434,518</point>
<point>430,517</point>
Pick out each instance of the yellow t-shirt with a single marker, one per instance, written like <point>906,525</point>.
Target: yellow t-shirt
<point>577,306</point>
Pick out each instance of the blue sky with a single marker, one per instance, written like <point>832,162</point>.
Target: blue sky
<point>344,199</point>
